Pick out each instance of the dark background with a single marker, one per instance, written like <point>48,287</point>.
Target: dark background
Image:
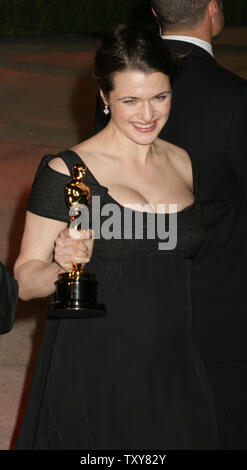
<point>48,17</point>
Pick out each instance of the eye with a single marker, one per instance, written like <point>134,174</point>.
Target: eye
<point>161,97</point>
<point>129,101</point>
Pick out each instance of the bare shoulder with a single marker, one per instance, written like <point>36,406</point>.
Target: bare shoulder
<point>58,165</point>
<point>179,159</point>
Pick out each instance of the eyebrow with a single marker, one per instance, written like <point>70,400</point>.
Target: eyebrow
<point>166,92</point>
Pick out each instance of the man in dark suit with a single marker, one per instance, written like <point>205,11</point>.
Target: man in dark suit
<point>209,120</point>
<point>8,300</point>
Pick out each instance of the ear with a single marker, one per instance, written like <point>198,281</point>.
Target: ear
<point>103,97</point>
<point>213,9</point>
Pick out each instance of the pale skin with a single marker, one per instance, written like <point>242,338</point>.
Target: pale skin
<point>127,158</point>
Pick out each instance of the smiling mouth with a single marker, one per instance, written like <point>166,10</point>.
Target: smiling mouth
<point>144,127</point>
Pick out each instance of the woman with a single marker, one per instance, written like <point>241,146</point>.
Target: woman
<point>131,379</point>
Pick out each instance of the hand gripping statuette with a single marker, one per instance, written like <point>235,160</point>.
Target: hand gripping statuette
<point>76,291</point>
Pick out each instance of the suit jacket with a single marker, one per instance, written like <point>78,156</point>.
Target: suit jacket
<point>8,300</point>
<point>209,119</point>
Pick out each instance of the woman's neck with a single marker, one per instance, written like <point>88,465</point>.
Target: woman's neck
<point>117,143</point>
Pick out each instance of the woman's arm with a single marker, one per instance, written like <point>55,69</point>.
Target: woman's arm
<point>47,249</point>
<point>35,270</point>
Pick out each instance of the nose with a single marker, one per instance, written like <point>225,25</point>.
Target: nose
<point>146,112</point>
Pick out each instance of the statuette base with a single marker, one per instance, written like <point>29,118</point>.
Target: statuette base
<point>75,297</point>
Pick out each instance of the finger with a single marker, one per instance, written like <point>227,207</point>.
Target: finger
<point>66,261</point>
<point>72,251</point>
<point>89,244</point>
<point>73,233</point>
<point>64,233</point>
<point>67,242</point>
<point>75,259</point>
<point>87,234</point>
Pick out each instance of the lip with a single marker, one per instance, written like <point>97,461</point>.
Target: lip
<point>143,130</point>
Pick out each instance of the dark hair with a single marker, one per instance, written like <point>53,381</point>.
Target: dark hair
<point>180,14</point>
<point>132,48</point>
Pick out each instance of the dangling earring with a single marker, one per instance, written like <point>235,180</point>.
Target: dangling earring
<point>106,110</point>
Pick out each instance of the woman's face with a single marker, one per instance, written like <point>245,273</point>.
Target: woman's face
<point>140,104</point>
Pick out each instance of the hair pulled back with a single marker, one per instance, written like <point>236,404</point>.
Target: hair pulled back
<point>135,49</point>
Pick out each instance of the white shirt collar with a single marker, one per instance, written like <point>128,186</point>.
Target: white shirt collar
<point>198,42</point>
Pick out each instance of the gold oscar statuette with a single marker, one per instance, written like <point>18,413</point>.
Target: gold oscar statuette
<point>76,291</point>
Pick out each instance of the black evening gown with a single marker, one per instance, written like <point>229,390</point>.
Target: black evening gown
<point>131,379</point>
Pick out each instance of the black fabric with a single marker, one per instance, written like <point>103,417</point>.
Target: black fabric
<point>133,379</point>
<point>8,300</point>
<point>208,119</point>
<point>47,197</point>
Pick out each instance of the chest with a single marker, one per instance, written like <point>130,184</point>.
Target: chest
<point>154,188</point>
